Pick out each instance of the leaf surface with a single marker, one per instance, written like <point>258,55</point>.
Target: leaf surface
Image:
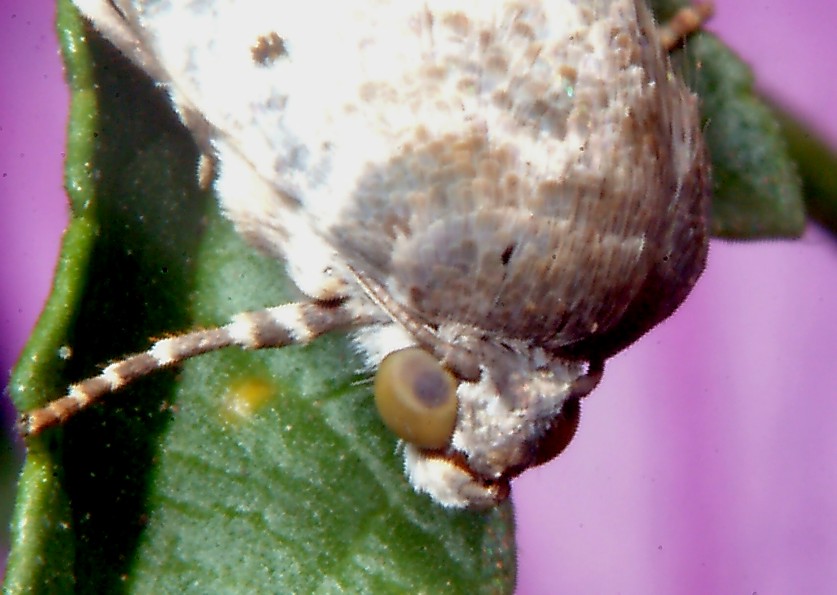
<point>757,191</point>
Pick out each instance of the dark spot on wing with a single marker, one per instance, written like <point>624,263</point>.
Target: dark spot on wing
<point>505,257</point>
<point>269,48</point>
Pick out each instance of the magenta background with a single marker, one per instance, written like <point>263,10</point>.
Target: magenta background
<point>706,462</point>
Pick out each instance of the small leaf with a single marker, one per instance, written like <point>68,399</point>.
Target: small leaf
<point>260,472</point>
<point>757,192</point>
<point>817,167</point>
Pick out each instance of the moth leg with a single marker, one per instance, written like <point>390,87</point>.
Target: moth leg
<point>279,326</point>
<point>685,21</point>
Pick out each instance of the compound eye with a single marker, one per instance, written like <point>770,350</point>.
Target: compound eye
<point>416,398</point>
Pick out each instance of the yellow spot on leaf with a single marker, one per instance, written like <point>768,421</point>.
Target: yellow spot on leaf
<point>245,398</point>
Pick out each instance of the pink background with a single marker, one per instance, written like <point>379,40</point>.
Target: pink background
<point>707,459</point>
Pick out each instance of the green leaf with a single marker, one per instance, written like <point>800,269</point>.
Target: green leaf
<point>817,167</point>
<point>174,484</point>
<point>757,192</point>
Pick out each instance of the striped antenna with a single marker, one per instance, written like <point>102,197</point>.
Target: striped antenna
<point>279,326</point>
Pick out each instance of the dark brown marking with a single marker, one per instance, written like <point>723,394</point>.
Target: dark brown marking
<point>324,317</point>
<point>198,342</point>
<point>136,366</point>
<point>93,387</point>
<point>505,257</point>
<point>269,48</point>
<point>47,417</point>
<point>267,332</point>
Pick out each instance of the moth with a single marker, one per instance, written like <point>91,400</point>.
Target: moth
<point>492,197</point>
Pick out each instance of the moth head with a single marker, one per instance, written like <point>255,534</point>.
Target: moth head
<point>464,440</point>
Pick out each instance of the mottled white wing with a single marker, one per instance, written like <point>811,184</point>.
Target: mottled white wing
<point>282,89</point>
<point>266,88</point>
<point>345,132</point>
<point>287,113</point>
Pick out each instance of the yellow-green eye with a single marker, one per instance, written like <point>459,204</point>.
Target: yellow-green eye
<point>416,397</point>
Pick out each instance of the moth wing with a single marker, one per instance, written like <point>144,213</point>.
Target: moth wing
<point>297,101</point>
<point>271,92</point>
